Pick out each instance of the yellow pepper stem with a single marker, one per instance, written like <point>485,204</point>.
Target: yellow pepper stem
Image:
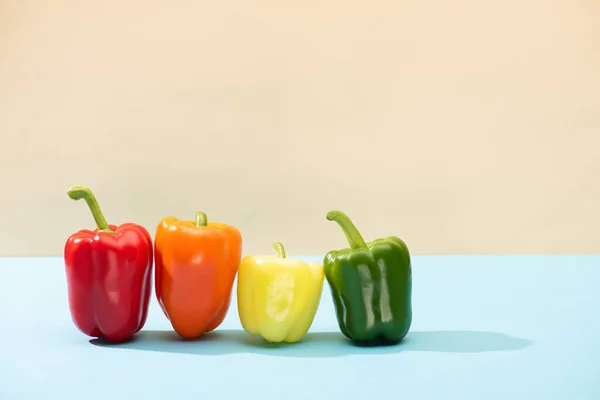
<point>278,246</point>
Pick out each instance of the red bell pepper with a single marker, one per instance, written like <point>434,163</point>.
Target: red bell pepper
<point>109,275</point>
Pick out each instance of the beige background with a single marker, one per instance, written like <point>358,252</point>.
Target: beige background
<point>462,126</point>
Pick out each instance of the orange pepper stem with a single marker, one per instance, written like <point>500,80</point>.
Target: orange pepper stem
<point>278,246</point>
<point>355,239</point>
<point>78,192</point>
<point>201,219</point>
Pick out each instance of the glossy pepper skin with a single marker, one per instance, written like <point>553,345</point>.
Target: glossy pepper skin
<point>196,264</point>
<point>371,286</point>
<point>109,275</point>
<point>278,297</point>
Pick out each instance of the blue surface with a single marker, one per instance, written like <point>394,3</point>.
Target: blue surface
<point>484,328</point>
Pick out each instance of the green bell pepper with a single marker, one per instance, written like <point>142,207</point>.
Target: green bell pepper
<point>371,285</point>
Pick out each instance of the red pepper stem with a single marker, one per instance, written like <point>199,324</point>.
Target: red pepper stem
<point>78,192</point>
<point>201,219</point>
<point>278,246</point>
<point>354,237</point>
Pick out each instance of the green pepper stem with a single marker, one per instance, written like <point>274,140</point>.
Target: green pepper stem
<point>354,237</point>
<point>201,219</point>
<point>78,192</point>
<point>278,246</point>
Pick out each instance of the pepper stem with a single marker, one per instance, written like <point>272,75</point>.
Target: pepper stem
<point>278,246</point>
<point>78,192</point>
<point>201,219</point>
<point>354,237</point>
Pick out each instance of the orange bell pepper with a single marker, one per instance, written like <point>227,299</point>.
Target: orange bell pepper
<point>195,266</point>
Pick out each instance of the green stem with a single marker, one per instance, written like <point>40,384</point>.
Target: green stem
<point>278,246</point>
<point>354,237</point>
<point>78,192</point>
<point>201,219</point>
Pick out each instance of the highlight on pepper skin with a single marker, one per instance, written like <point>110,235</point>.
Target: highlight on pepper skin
<point>278,297</point>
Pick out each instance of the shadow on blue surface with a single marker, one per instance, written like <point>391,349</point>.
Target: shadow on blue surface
<point>318,344</point>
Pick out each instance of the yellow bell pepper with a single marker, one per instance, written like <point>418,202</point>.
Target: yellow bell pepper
<point>277,296</point>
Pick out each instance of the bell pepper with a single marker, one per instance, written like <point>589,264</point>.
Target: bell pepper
<point>109,275</point>
<point>371,285</point>
<point>278,297</point>
<point>196,264</point>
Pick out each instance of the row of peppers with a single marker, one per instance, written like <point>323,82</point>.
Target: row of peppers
<point>109,279</point>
